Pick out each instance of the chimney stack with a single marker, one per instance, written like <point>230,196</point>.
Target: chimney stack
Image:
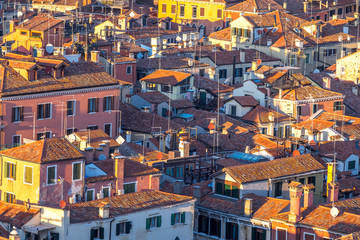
<point>295,189</point>
<point>333,192</point>
<point>248,208</point>
<point>197,192</point>
<point>326,83</point>
<point>40,52</point>
<point>308,195</point>
<point>119,172</point>
<point>95,56</point>
<point>305,6</point>
<point>178,185</point>
<point>103,210</point>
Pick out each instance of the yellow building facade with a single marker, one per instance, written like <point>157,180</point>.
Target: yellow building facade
<point>20,180</point>
<point>208,13</point>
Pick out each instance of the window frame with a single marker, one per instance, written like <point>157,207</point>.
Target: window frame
<point>20,114</point>
<point>182,10</point>
<point>13,144</point>
<point>10,175</point>
<point>80,177</point>
<point>106,100</point>
<point>47,175</point>
<point>202,12</point>
<point>32,175</point>
<point>9,193</point>
<point>276,233</point>
<point>348,165</point>
<point>94,106</point>
<point>194,11</point>
<point>44,111</point>
<point>163,7</point>
<point>219,13</point>
<point>307,233</point>
<point>93,194</point>
<point>109,191</point>
<point>110,128</point>
<point>129,183</point>
<point>73,108</point>
<point>127,72</point>
<point>173,9</point>
<point>337,106</point>
<point>279,191</point>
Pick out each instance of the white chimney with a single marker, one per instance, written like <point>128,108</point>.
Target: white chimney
<point>190,62</point>
<point>155,45</point>
<point>40,52</point>
<point>121,192</point>
<point>71,200</point>
<point>95,56</point>
<point>242,56</point>
<point>326,83</point>
<point>118,47</point>
<point>355,90</point>
<point>103,210</point>
<point>248,208</point>
<point>269,42</point>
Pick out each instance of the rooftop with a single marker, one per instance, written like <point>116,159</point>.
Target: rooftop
<point>166,77</point>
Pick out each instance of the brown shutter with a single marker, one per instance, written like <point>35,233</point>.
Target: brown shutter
<point>22,114</point>
<point>202,12</point>
<point>219,13</point>
<point>173,9</point>
<point>112,102</point>
<point>13,115</point>
<point>96,104</point>
<point>104,104</point>
<point>89,105</point>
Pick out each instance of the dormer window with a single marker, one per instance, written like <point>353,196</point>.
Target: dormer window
<point>226,188</point>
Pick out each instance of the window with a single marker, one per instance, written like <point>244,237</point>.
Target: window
<point>51,175</point>
<point>238,72</point>
<point>28,175</point>
<point>302,181</point>
<point>215,227</point>
<point>10,170</point>
<point>36,35</point>
<point>278,189</point>
<point>42,135</point>
<point>312,180</point>
<point>184,88</point>
<point>90,195</point>
<point>298,110</point>
<point>97,233</point>
<point>153,222</point>
<point>151,86</point>
<point>179,172</point>
<point>123,228</point>
<point>107,128</point>
<point>109,103</point>
<point>92,127</point>
<point>351,165</point>
<point>70,131</point>
<point>106,192</point>
<point>307,58</point>
<point>170,171</point>
<point>337,106</point>
<point>9,197</point>
<point>222,73</point>
<point>332,12</point>
<point>93,105</point>
<point>128,70</point>
<point>173,9</point>
<point>227,188</point>
<point>232,231</point>
<point>70,108</point>
<point>340,11</point>
<point>219,13</point>
<point>258,234</point>
<point>203,226</point>
<point>177,218</point>
<point>77,171</point>
<point>182,10</point>
<point>233,110</point>
<point>44,111</point>
<point>16,140</point>
<point>202,72</point>
<point>194,12</point>
<point>287,131</point>
<point>281,234</point>
<point>17,114</point>
<point>309,236</point>
<point>129,187</point>
<point>23,33</point>
<point>163,9</point>
<point>264,131</point>
<point>315,108</point>
<point>54,236</point>
<point>202,12</point>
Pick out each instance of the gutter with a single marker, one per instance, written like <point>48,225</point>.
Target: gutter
<point>110,228</point>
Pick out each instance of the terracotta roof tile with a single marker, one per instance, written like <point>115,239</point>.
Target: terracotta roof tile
<point>245,101</point>
<point>39,23</point>
<point>343,149</point>
<point>261,114</point>
<point>155,97</point>
<point>43,151</point>
<point>124,204</point>
<point>181,103</point>
<point>168,63</point>
<point>210,85</point>
<point>274,169</point>
<point>97,137</point>
<point>166,77</point>
<point>307,92</point>
<point>16,214</point>
<point>314,125</point>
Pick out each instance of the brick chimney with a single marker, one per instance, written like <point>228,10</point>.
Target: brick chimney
<point>308,195</point>
<point>295,189</point>
<point>248,207</point>
<point>89,154</point>
<point>333,192</point>
<point>119,172</point>
<point>197,192</point>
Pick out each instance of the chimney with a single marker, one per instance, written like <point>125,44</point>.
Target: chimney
<point>178,186</point>
<point>105,146</point>
<point>355,90</point>
<point>326,83</point>
<point>327,4</point>
<point>95,56</point>
<point>305,6</point>
<point>118,47</point>
<point>121,192</point>
<point>254,66</point>
<point>271,117</point>
<point>103,210</point>
<point>285,5</point>
<point>12,28</point>
<point>280,93</point>
<point>179,28</point>
<point>320,4</point>
<point>308,195</point>
<point>247,149</point>
<point>128,136</point>
<point>248,207</point>
<point>174,154</point>
<point>89,154</point>
<point>119,172</point>
<point>190,62</point>
<point>242,56</point>
<point>40,52</point>
<point>295,189</point>
<point>197,192</point>
<point>155,45</point>
<point>333,192</point>
<point>184,148</point>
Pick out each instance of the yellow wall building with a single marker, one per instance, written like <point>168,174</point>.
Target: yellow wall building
<point>202,14</point>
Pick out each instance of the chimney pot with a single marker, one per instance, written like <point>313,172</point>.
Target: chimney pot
<point>95,56</point>
<point>248,208</point>
<point>295,189</point>
<point>333,194</point>
<point>308,195</point>
<point>197,192</point>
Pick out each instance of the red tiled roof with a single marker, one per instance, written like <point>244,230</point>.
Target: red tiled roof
<point>273,169</point>
<point>343,149</point>
<point>155,97</point>
<point>97,137</point>
<point>166,77</point>
<point>210,85</point>
<point>306,93</point>
<point>16,214</point>
<point>245,101</point>
<point>124,204</point>
<point>43,151</point>
<point>314,125</point>
<point>261,114</point>
<point>39,23</point>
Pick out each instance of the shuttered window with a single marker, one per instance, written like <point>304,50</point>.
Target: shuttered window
<point>202,12</point>
<point>28,175</point>
<point>153,222</point>
<point>77,171</point>
<point>17,114</point>
<point>93,105</point>
<point>108,103</point>
<point>10,170</point>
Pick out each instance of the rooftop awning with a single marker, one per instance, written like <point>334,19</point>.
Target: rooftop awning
<point>38,228</point>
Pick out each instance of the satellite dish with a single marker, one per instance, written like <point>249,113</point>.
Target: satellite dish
<point>102,157</point>
<point>316,71</point>
<point>334,212</point>
<point>62,204</point>
<point>49,48</point>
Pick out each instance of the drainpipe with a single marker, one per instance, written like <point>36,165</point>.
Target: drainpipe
<point>234,62</point>
<point>110,228</point>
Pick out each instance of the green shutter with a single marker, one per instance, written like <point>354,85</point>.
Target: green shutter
<point>101,233</point>
<point>235,192</point>
<point>264,235</point>
<point>14,171</point>
<point>117,229</point>
<point>218,189</point>
<point>173,219</point>
<point>183,217</point>
<point>233,31</point>
<point>127,227</point>
<point>147,223</point>
<point>158,221</point>
<point>227,191</point>
<point>253,233</point>
<point>92,234</point>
